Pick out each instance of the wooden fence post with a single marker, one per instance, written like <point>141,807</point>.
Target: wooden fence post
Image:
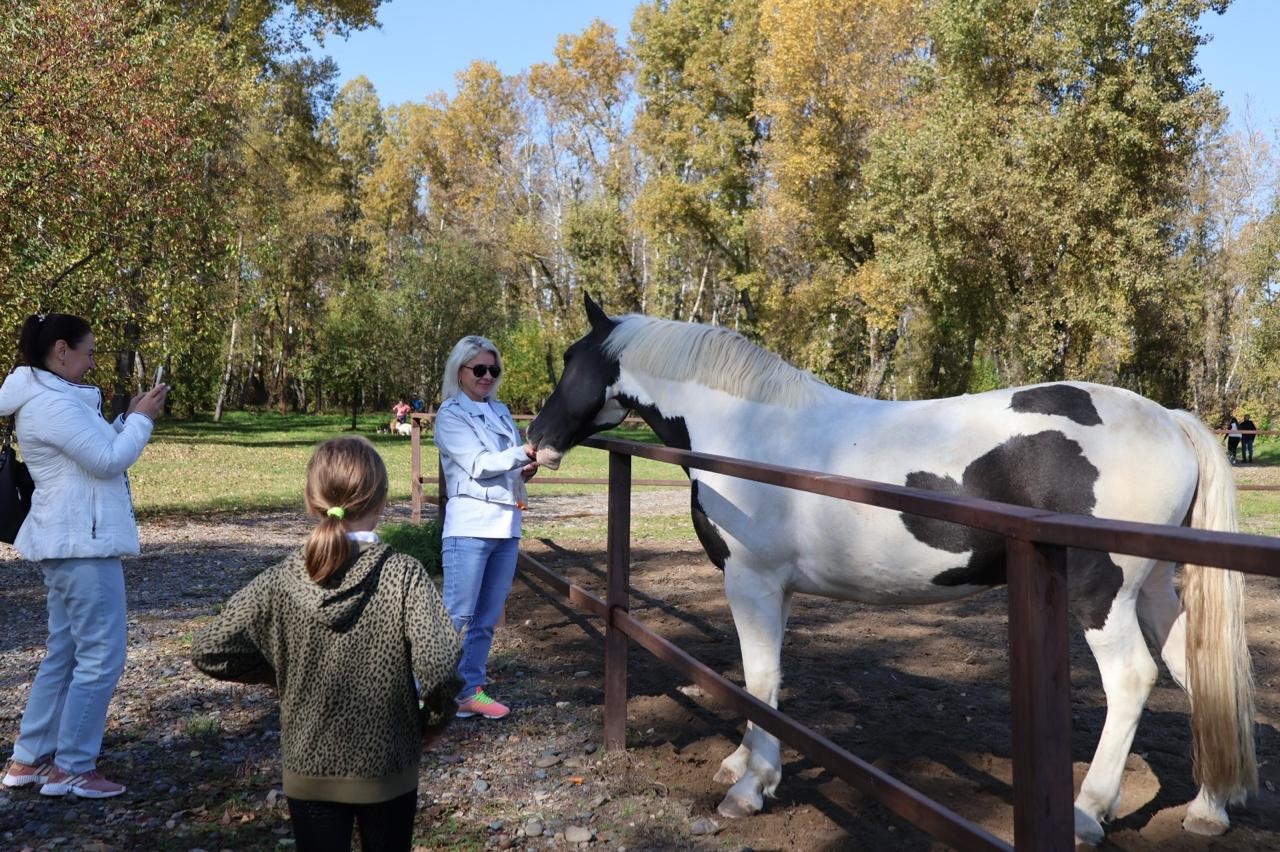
<point>615,642</point>
<point>415,468</point>
<point>1040,696</point>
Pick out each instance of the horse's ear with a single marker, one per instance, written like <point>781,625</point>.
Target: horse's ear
<point>600,322</point>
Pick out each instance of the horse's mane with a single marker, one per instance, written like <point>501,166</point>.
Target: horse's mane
<point>714,356</point>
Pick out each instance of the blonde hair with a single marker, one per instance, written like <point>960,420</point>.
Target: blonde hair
<point>347,475</point>
<point>463,351</point>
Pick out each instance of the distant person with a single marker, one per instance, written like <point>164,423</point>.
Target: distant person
<point>1248,430</point>
<point>400,415</point>
<point>1233,439</point>
<point>80,524</point>
<point>355,637</point>
<point>485,464</point>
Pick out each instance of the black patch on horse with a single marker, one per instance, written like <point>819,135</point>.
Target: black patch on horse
<point>566,419</point>
<point>1061,400</point>
<point>672,431</point>
<point>708,534</point>
<point>1046,471</point>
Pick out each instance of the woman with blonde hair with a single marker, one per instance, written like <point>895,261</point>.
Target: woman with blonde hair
<point>358,642</point>
<point>485,464</point>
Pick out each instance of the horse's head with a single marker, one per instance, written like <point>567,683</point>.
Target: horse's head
<point>582,402</point>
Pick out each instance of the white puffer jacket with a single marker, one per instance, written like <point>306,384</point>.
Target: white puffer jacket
<point>82,506</point>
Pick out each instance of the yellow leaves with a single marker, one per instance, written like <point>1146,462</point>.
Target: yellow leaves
<point>885,297</point>
<point>831,71</point>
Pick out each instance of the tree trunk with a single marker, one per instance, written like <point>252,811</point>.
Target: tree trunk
<point>122,392</point>
<point>226,373</point>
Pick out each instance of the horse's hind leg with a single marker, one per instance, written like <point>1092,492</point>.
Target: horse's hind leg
<point>760,610</point>
<point>1164,623</point>
<point>1128,673</point>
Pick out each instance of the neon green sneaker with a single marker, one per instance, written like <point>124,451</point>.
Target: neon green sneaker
<point>481,704</point>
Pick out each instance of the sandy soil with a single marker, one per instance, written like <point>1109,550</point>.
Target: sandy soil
<point>921,692</point>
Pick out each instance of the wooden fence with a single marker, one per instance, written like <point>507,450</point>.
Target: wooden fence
<point>1039,662</point>
<point>420,421</point>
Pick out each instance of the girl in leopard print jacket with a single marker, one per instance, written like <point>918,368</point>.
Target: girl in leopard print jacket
<point>344,627</point>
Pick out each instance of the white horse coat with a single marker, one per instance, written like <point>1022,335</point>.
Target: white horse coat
<point>1067,446</point>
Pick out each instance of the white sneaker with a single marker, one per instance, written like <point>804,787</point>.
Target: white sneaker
<point>19,774</point>
<point>86,785</point>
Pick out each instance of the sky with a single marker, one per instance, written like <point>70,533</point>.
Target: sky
<point>423,43</point>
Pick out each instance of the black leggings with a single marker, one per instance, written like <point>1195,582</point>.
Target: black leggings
<point>326,826</point>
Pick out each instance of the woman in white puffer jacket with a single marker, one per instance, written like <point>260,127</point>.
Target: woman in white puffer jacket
<point>80,524</point>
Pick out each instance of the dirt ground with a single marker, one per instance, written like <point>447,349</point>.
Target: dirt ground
<point>921,692</point>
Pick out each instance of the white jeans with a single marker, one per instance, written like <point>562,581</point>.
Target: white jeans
<point>67,710</point>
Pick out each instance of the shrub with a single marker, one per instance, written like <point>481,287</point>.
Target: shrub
<point>421,541</point>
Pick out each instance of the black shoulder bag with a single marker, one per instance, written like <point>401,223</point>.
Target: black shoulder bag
<point>16,487</point>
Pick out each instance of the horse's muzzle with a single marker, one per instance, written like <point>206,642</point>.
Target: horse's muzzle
<point>549,458</point>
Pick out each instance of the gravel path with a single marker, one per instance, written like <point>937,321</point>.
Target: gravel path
<point>201,757</point>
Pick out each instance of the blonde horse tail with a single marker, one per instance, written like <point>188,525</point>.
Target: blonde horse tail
<point>1219,673</point>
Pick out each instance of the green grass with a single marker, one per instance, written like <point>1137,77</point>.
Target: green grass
<point>1260,512</point>
<point>255,461</point>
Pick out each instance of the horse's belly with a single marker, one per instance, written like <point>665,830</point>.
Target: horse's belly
<point>876,583</point>
<point>837,549</point>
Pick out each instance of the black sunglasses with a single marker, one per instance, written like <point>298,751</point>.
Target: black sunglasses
<point>478,370</point>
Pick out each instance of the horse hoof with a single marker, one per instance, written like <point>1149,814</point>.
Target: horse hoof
<point>1205,826</point>
<point>734,808</point>
<point>1087,829</point>
<point>725,775</point>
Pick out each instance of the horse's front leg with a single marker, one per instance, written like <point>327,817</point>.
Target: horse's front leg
<point>760,606</point>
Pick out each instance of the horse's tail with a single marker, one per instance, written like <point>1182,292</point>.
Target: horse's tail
<point>1219,674</point>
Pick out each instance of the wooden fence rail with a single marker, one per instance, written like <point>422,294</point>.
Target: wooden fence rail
<point>424,420</point>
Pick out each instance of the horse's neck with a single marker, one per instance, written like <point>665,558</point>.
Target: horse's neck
<point>675,410</point>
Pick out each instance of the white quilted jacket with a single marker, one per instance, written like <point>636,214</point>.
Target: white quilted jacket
<point>82,506</point>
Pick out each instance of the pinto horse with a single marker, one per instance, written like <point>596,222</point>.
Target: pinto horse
<point>1065,447</point>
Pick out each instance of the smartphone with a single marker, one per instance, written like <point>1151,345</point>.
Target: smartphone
<point>159,375</point>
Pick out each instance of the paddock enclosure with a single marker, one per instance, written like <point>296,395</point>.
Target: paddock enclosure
<point>920,692</point>
<point>842,630</point>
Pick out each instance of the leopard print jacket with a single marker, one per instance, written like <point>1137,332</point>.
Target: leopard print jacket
<point>345,657</point>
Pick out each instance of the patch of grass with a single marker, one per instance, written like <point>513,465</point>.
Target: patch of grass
<point>250,461</point>
<point>643,527</point>
<point>446,832</point>
<point>1260,512</point>
<point>204,726</point>
<point>257,461</point>
<point>421,541</point>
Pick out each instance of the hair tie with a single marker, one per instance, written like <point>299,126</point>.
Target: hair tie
<point>337,512</point>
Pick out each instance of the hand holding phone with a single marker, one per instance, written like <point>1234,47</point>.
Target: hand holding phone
<point>159,375</point>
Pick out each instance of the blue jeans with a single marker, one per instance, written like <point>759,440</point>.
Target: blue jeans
<point>67,710</point>
<point>477,577</point>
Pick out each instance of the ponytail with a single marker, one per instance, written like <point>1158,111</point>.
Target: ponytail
<point>327,549</point>
<point>345,477</point>
<point>41,331</point>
